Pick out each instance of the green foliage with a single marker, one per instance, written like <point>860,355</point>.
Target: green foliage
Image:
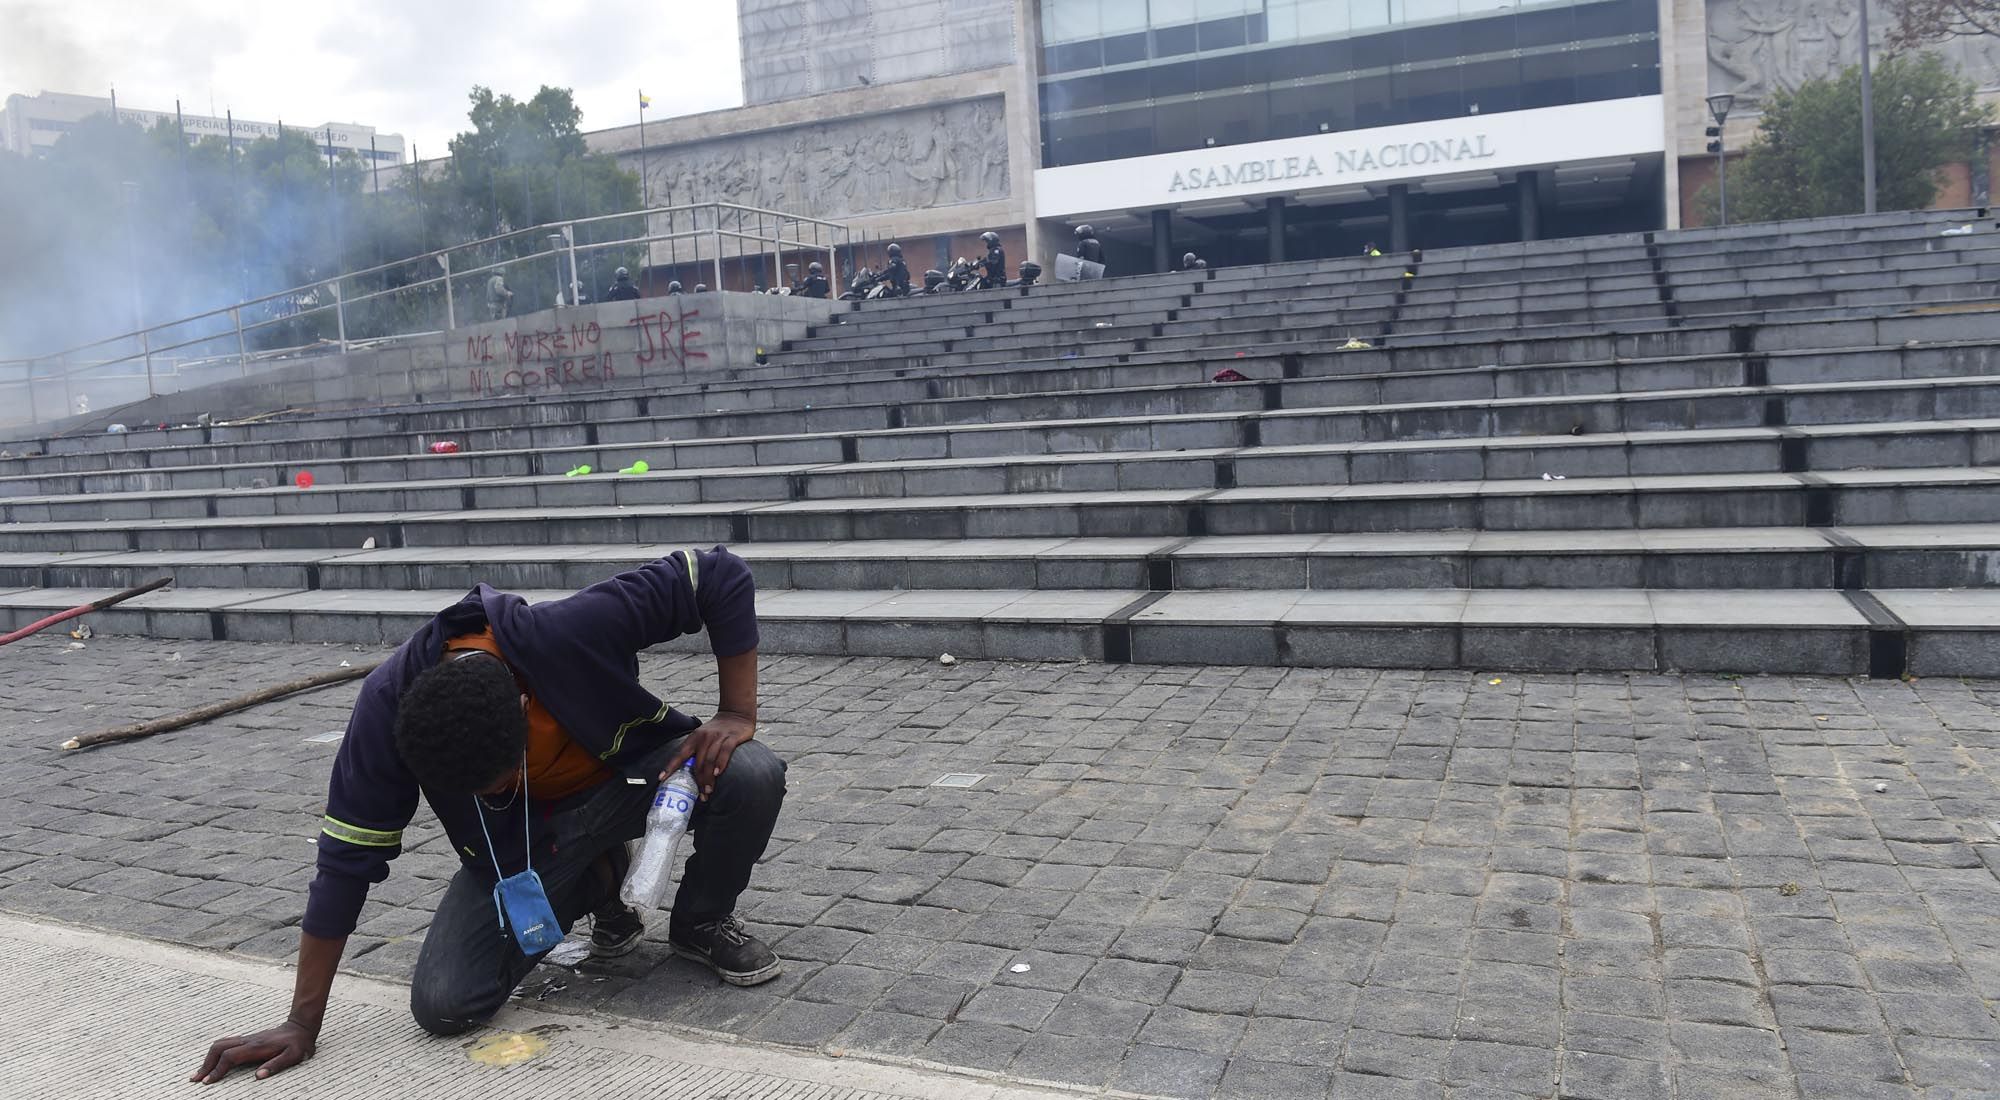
<point>1806,161</point>
<point>121,225</point>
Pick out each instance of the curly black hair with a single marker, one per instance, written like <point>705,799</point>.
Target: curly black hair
<point>459,727</point>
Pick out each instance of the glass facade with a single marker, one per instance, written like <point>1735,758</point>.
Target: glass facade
<point>1128,78</point>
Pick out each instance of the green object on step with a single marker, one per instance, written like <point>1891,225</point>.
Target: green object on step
<point>638,467</point>
<point>579,471</point>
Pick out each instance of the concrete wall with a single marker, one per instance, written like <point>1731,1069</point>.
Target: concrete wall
<point>614,345</point>
<point>932,149</point>
<point>794,48</point>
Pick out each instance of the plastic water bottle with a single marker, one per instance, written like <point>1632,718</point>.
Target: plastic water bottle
<point>646,883</point>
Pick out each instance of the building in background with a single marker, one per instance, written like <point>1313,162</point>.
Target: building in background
<point>1751,48</point>
<point>908,122</point>
<point>794,48</point>
<point>1253,130</point>
<point>31,125</point>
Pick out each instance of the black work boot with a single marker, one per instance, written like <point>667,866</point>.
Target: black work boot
<point>615,930</point>
<point>725,947</point>
<point>615,927</point>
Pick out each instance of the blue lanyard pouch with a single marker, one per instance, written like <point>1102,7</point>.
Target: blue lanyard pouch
<point>519,901</point>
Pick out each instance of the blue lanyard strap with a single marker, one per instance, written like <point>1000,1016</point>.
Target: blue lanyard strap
<point>527,844</point>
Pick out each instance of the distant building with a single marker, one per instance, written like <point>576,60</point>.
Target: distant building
<point>31,125</point>
<point>1247,130</point>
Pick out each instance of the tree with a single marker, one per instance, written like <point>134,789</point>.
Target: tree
<point>524,163</point>
<point>1806,160</point>
<point>1923,21</point>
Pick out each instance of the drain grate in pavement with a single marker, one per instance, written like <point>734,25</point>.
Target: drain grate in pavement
<point>957,779</point>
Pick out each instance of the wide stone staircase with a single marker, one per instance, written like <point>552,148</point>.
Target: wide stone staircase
<point>1768,448</point>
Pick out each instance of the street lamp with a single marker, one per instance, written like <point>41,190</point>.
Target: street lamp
<point>1718,107</point>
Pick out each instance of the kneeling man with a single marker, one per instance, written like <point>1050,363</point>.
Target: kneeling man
<point>527,731</point>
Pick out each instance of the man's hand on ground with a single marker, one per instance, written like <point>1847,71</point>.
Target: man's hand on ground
<point>710,746</point>
<point>278,1049</point>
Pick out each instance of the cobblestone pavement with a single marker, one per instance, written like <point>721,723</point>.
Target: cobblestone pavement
<point>1223,882</point>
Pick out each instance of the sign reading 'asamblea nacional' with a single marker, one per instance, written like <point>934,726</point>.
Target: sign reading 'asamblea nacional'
<point>1544,136</point>
<point>1405,154</point>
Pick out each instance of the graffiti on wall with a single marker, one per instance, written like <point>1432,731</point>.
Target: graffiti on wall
<point>669,338</point>
<point>578,356</point>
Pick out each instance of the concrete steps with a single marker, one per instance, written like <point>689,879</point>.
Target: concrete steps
<point>1954,555</point>
<point>1933,495</point>
<point>1798,449</point>
<point>1919,631</point>
<point>1766,450</point>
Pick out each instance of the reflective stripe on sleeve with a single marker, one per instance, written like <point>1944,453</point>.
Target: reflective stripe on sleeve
<point>355,834</point>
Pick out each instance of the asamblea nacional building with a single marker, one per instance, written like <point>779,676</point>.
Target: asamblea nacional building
<point>1247,130</point>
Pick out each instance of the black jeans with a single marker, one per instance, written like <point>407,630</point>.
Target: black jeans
<point>469,965</point>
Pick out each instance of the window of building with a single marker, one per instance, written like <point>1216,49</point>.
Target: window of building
<point>1158,76</point>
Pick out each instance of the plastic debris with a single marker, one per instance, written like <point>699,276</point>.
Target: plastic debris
<point>1957,231</point>
<point>304,480</point>
<point>1230,374</point>
<point>368,543</point>
<point>1881,788</point>
<point>1789,889</point>
<point>115,429</point>
<point>1020,968</point>
<point>77,645</point>
<point>578,471</point>
<point>1102,324</point>
<point>947,660</point>
<point>347,664</point>
<point>444,447</point>
<point>550,988</point>
<point>1555,477</point>
<point>81,633</point>
<point>174,656</point>
<point>1355,343</point>
<point>638,467</point>
<point>569,953</point>
<point>1494,680</point>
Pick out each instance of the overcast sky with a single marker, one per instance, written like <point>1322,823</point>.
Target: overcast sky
<point>401,66</point>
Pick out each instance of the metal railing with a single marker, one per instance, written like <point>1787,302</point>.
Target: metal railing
<point>555,264</point>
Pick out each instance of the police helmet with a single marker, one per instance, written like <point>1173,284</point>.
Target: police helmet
<point>674,287</point>
<point>1083,232</point>
<point>813,268</point>
<point>621,273</point>
<point>895,251</point>
<point>990,237</point>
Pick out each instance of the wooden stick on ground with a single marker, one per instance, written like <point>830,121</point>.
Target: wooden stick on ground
<point>217,710</point>
<point>84,609</point>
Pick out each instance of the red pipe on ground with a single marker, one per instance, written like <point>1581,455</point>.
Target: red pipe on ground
<point>84,609</point>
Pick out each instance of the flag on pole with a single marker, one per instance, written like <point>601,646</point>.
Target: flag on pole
<point>645,101</point>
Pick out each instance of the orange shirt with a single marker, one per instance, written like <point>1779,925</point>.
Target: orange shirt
<point>557,766</point>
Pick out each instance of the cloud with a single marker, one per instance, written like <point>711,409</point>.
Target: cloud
<point>402,66</point>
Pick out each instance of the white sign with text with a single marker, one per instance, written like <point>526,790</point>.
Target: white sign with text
<point>1476,143</point>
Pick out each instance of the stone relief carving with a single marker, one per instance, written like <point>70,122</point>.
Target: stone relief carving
<point>1759,46</point>
<point>908,160</point>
